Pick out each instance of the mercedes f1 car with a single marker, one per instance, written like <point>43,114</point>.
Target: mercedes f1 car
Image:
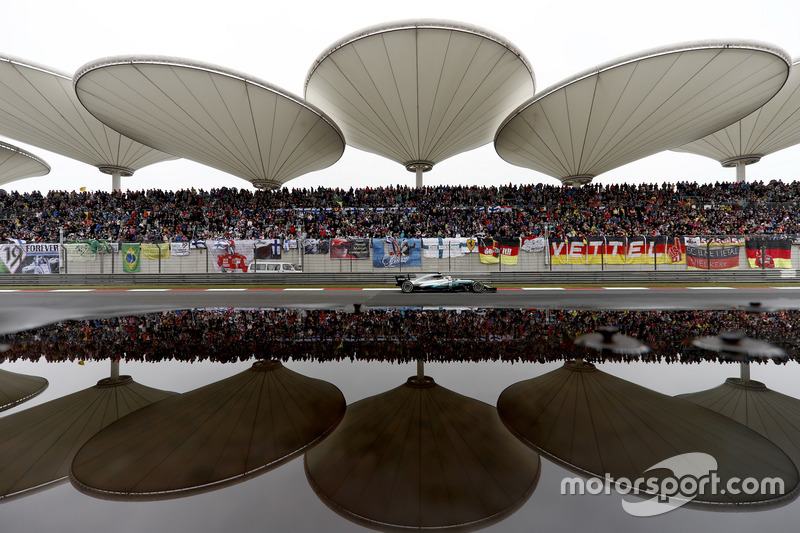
<point>441,283</point>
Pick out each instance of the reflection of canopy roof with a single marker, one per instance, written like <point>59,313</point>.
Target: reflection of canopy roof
<point>639,105</point>
<point>418,92</point>
<point>32,316</point>
<point>246,424</point>
<point>773,127</point>
<point>770,413</point>
<point>38,106</point>
<point>16,163</point>
<point>421,456</point>
<point>737,344</point>
<point>37,445</point>
<point>17,388</point>
<point>598,424</point>
<point>223,119</point>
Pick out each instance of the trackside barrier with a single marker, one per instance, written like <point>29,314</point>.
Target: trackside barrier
<point>750,276</point>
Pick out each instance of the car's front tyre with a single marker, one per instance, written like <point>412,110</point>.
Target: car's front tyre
<point>476,286</point>
<point>407,286</point>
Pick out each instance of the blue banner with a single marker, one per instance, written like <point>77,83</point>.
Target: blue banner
<point>396,253</point>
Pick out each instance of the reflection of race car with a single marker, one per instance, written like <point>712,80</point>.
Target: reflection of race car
<point>441,283</point>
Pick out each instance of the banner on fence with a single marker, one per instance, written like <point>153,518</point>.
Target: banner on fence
<point>509,250</point>
<point>533,244</point>
<point>231,255</point>
<point>350,248</point>
<point>489,250</point>
<point>675,251</point>
<point>558,251</point>
<point>79,253</point>
<point>617,250</point>
<point>179,249</point>
<point>131,253</point>
<point>769,253</point>
<point>636,251</point>
<point>444,247</point>
<point>576,250</point>
<point>316,246</point>
<point>155,251</point>
<point>23,258</point>
<point>712,258</point>
<point>271,249</point>
<point>395,253</point>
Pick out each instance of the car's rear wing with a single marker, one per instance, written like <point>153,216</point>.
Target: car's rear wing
<point>400,279</point>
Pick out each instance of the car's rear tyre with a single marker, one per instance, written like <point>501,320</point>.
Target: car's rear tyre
<point>476,286</point>
<point>407,286</point>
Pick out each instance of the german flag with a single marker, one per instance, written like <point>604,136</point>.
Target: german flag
<point>489,250</point>
<point>509,251</point>
<point>558,251</point>
<point>769,253</point>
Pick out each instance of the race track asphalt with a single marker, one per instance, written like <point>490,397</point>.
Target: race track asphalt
<point>24,309</point>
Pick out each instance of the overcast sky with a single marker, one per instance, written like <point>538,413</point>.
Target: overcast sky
<point>278,42</point>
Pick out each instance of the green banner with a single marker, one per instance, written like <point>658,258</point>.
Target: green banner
<point>155,250</point>
<point>130,257</point>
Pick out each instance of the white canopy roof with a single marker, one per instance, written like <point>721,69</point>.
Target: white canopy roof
<point>640,105</point>
<point>773,127</point>
<point>16,164</point>
<point>38,106</point>
<point>418,92</point>
<point>221,118</point>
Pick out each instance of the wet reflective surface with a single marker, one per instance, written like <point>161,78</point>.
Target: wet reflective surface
<point>385,462</point>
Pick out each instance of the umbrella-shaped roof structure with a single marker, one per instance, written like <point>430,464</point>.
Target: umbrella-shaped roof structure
<point>597,424</point>
<point>770,413</point>
<point>37,445</point>
<point>38,106</point>
<point>18,388</point>
<point>224,119</point>
<point>17,164</point>
<point>639,105</point>
<point>421,456</point>
<point>771,128</point>
<point>217,434</point>
<point>418,92</point>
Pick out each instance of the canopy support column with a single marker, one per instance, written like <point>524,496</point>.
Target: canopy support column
<point>116,181</point>
<point>744,372</point>
<point>418,167</point>
<point>740,172</point>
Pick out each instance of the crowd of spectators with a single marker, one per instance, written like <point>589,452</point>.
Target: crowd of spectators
<point>394,335</point>
<point>445,211</point>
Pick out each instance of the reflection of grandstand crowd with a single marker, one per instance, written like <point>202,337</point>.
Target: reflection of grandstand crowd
<point>156,215</point>
<point>395,335</point>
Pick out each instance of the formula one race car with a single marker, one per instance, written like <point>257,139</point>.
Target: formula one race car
<point>441,283</point>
